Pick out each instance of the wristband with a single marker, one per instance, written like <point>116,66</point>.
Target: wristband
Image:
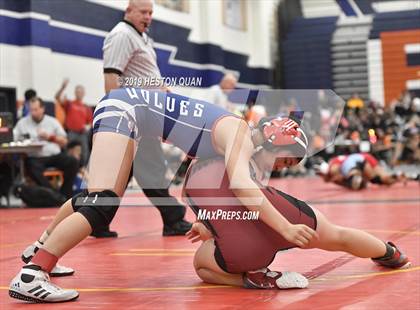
<point>52,138</point>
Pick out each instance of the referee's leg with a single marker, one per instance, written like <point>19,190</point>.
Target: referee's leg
<point>149,171</point>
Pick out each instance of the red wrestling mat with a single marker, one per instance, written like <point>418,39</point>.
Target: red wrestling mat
<point>143,270</point>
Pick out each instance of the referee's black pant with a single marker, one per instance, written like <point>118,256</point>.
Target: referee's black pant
<point>149,169</point>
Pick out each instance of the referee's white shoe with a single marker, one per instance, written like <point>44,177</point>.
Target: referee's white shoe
<point>33,285</point>
<point>57,271</point>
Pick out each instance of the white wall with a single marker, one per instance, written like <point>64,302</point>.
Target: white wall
<point>375,70</point>
<point>43,70</point>
<point>393,6</point>
<point>320,8</point>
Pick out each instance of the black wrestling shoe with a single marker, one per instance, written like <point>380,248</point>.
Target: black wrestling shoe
<point>104,232</point>
<point>398,260</point>
<point>179,228</point>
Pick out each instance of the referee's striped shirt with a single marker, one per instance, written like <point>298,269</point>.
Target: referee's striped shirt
<point>130,53</point>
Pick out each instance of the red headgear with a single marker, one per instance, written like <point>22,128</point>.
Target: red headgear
<point>282,132</point>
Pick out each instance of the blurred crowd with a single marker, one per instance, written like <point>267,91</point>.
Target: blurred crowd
<point>393,131</point>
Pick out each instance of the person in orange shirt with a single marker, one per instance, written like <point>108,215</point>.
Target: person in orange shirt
<point>355,102</point>
<point>78,117</point>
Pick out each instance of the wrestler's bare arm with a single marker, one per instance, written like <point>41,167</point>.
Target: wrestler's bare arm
<point>238,149</point>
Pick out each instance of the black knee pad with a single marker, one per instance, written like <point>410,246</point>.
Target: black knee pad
<point>98,208</point>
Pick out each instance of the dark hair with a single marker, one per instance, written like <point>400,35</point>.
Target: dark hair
<point>296,150</point>
<point>29,94</point>
<point>298,159</point>
<point>360,183</point>
<point>73,143</point>
<point>37,99</point>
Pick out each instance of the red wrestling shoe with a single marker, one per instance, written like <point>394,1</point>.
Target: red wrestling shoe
<point>397,261</point>
<point>266,279</point>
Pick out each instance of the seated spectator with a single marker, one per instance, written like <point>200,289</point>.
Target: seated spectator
<point>5,179</point>
<point>78,117</point>
<point>40,127</point>
<point>74,149</point>
<point>408,143</point>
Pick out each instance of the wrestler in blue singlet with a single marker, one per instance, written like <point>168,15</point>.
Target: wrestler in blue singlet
<point>185,122</point>
<point>351,162</point>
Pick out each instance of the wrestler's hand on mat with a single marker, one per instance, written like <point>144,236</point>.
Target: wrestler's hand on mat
<point>198,232</point>
<point>300,234</point>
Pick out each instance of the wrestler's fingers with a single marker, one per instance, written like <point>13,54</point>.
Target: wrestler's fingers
<point>192,238</point>
<point>303,240</point>
<point>192,235</point>
<point>312,232</point>
<point>196,239</point>
<point>306,235</point>
<point>299,243</point>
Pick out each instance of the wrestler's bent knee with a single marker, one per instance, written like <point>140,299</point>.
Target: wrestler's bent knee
<point>98,208</point>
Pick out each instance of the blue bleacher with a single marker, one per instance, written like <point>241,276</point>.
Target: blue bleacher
<point>394,21</point>
<point>307,53</point>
